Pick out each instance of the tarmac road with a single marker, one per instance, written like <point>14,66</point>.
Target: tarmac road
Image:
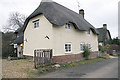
<point>103,69</point>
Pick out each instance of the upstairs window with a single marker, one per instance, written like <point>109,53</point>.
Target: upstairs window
<point>88,32</point>
<point>68,48</point>
<point>67,26</point>
<point>36,23</point>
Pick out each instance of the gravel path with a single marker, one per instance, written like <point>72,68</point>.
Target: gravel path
<point>17,68</point>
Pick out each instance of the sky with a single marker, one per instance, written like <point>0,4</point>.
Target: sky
<point>97,12</point>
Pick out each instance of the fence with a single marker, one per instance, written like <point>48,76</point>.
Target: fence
<point>42,57</point>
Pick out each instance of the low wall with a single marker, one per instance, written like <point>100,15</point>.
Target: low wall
<point>29,57</point>
<point>69,58</point>
<point>72,57</point>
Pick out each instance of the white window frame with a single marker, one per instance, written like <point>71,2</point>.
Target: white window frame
<point>82,47</point>
<point>68,26</point>
<point>36,23</point>
<point>68,47</point>
<point>89,46</point>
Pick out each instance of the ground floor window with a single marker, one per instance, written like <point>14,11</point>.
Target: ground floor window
<point>89,46</point>
<point>68,47</point>
<point>81,46</point>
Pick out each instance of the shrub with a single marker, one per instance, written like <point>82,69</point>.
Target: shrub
<point>86,52</point>
<point>105,48</point>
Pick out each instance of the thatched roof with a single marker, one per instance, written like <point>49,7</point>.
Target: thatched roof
<point>60,15</point>
<point>103,34</point>
<point>19,39</point>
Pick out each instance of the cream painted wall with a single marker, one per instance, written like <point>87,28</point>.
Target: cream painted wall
<point>36,36</point>
<point>58,37</point>
<point>73,36</point>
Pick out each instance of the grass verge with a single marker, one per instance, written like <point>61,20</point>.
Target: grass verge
<point>117,55</point>
<point>72,64</point>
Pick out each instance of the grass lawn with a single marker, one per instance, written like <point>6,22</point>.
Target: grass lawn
<point>25,69</point>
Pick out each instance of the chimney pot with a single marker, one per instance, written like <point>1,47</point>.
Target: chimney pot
<point>81,11</point>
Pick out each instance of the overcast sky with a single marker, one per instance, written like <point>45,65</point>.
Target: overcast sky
<point>97,12</point>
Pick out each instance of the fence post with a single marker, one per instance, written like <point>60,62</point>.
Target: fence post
<point>35,65</point>
<point>51,55</point>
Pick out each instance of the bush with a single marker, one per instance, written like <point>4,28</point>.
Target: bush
<point>86,52</point>
<point>104,49</point>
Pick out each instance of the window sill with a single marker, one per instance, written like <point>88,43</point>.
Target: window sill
<point>68,52</point>
<point>81,51</point>
<point>36,28</point>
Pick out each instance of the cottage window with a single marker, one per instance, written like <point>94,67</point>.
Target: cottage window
<point>81,46</point>
<point>88,32</point>
<point>36,23</point>
<point>89,46</point>
<point>68,48</point>
<point>67,26</point>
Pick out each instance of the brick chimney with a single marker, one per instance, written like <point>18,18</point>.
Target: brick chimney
<point>105,26</point>
<point>81,11</point>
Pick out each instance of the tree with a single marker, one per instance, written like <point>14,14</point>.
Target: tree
<point>115,41</point>
<point>15,21</point>
<point>7,39</point>
<point>114,47</point>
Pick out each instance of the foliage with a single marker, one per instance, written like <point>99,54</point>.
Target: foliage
<point>44,69</point>
<point>100,48</point>
<point>7,39</point>
<point>73,64</point>
<point>104,48</point>
<point>15,21</point>
<point>86,52</point>
<point>115,41</point>
<point>117,55</point>
<point>114,47</point>
<point>65,65</point>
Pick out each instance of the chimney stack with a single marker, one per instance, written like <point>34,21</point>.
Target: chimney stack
<point>105,26</point>
<point>81,11</point>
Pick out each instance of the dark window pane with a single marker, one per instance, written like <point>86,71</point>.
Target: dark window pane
<point>65,44</point>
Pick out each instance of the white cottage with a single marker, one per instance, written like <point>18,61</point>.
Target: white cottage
<point>53,26</point>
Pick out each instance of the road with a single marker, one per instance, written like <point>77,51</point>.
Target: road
<point>103,69</point>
